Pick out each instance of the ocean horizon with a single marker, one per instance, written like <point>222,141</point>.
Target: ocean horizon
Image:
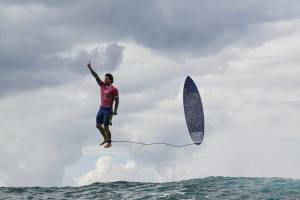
<point>204,188</point>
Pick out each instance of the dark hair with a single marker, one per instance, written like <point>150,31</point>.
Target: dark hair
<point>110,77</point>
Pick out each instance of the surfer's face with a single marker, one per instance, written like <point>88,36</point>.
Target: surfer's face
<point>107,81</point>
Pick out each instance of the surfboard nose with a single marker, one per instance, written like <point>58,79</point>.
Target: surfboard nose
<point>188,79</point>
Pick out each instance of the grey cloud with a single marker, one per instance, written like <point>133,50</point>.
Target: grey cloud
<point>108,58</point>
<point>23,73</point>
<point>198,26</point>
<point>33,31</point>
<point>180,26</point>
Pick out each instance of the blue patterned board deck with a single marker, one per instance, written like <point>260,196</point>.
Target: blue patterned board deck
<point>193,110</point>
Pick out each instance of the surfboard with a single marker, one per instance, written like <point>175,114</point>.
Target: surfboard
<point>193,111</point>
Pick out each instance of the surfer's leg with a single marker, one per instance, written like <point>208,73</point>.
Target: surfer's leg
<point>102,131</point>
<point>106,117</point>
<point>108,134</point>
<point>99,122</point>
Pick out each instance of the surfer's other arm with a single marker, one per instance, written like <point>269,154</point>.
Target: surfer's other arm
<point>94,73</point>
<point>116,105</point>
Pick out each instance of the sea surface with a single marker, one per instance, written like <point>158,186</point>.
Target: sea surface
<point>205,188</point>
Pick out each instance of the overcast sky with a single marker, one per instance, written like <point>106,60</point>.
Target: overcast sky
<point>241,54</point>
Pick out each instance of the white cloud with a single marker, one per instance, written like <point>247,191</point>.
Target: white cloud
<point>42,132</point>
<point>107,170</point>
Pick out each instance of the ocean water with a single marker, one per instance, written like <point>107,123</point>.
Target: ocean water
<point>206,188</point>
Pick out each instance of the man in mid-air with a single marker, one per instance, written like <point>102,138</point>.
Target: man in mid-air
<point>109,95</point>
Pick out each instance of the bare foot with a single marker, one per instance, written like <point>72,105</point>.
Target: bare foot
<point>102,143</point>
<point>108,145</point>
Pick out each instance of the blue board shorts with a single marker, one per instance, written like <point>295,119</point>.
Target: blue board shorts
<point>104,116</point>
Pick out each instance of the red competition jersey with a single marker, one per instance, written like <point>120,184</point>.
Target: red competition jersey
<point>108,95</point>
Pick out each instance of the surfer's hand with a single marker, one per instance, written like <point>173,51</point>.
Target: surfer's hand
<point>89,65</point>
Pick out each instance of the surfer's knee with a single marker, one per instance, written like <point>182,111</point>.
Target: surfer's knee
<point>99,126</point>
<point>106,128</point>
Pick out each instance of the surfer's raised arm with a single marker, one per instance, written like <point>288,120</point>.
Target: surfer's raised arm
<point>99,81</point>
